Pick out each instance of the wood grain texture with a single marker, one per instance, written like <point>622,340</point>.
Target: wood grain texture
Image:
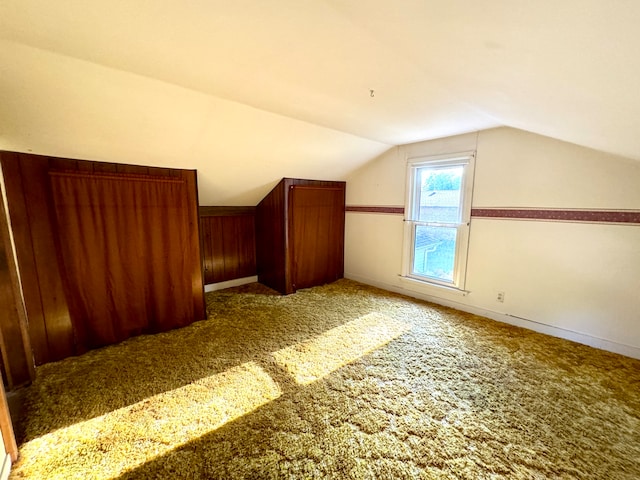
<point>30,207</point>
<point>217,247</point>
<point>15,346</point>
<point>246,246</point>
<point>315,225</point>
<point>222,211</point>
<point>317,233</point>
<point>207,252</point>
<point>229,247</point>
<point>135,169</point>
<point>6,427</point>
<point>271,241</point>
<point>21,228</point>
<point>197,276</point>
<point>37,191</point>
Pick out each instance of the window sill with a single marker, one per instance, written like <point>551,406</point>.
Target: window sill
<point>434,287</point>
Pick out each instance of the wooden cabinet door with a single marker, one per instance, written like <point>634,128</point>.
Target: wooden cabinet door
<point>316,234</point>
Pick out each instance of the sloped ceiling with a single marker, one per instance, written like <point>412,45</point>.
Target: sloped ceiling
<point>250,91</point>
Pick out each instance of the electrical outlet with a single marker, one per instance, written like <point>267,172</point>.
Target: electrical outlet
<point>500,297</point>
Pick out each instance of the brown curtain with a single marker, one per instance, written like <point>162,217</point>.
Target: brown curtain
<point>124,246</point>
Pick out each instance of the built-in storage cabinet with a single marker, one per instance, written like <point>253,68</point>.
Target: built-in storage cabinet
<point>300,234</point>
<point>105,251</point>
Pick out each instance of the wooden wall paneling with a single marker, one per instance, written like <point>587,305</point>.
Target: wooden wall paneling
<point>23,238</point>
<point>163,172</point>
<point>132,169</point>
<point>197,276</point>
<point>104,167</point>
<point>231,238</point>
<point>244,242</point>
<point>14,365</point>
<point>55,163</point>
<point>206,245</point>
<point>226,211</point>
<point>17,357</point>
<point>37,190</point>
<point>228,235</point>
<point>173,172</point>
<point>217,248</point>
<point>84,165</point>
<point>247,246</point>
<point>271,242</point>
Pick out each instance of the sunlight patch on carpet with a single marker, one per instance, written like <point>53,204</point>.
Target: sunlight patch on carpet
<point>454,396</point>
<point>312,360</point>
<point>130,436</point>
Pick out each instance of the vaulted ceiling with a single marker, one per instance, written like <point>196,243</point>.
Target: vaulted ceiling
<point>309,87</point>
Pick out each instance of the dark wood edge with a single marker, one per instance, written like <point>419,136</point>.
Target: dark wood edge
<point>191,178</point>
<point>22,232</point>
<point>17,291</point>
<point>318,187</point>
<point>116,176</point>
<point>97,166</point>
<point>6,427</point>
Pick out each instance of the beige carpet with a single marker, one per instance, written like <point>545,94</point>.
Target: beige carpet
<point>340,381</point>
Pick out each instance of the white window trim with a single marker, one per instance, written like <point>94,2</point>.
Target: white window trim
<point>462,242</point>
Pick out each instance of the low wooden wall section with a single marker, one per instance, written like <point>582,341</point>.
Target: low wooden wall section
<point>228,243</point>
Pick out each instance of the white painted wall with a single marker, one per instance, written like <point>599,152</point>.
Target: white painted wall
<point>57,105</point>
<point>575,280</point>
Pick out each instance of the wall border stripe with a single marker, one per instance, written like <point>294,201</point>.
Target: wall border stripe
<point>621,217</point>
<point>559,215</point>
<point>375,209</point>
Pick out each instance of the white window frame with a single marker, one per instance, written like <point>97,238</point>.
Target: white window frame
<point>467,161</point>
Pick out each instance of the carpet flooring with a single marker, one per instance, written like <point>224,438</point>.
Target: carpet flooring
<point>342,381</point>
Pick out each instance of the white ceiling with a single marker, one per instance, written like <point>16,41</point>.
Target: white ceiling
<point>568,69</point>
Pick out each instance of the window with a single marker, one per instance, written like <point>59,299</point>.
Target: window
<point>438,215</point>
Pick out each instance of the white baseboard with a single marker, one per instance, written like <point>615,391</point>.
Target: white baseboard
<point>6,467</point>
<point>236,282</point>
<point>583,338</point>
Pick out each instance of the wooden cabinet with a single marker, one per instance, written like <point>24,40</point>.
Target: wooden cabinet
<point>51,294</point>
<point>300,234</point>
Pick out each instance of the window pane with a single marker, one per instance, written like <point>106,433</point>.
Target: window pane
<point>434,252</point>
<point>438,194</point>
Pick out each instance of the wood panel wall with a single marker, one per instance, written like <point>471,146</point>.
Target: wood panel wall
<point>228,243</point>
<point>32,222</point>
<point>271,240</point>
<point>15,346</point>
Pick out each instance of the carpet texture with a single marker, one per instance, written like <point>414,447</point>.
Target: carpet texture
<point>342,381</point>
